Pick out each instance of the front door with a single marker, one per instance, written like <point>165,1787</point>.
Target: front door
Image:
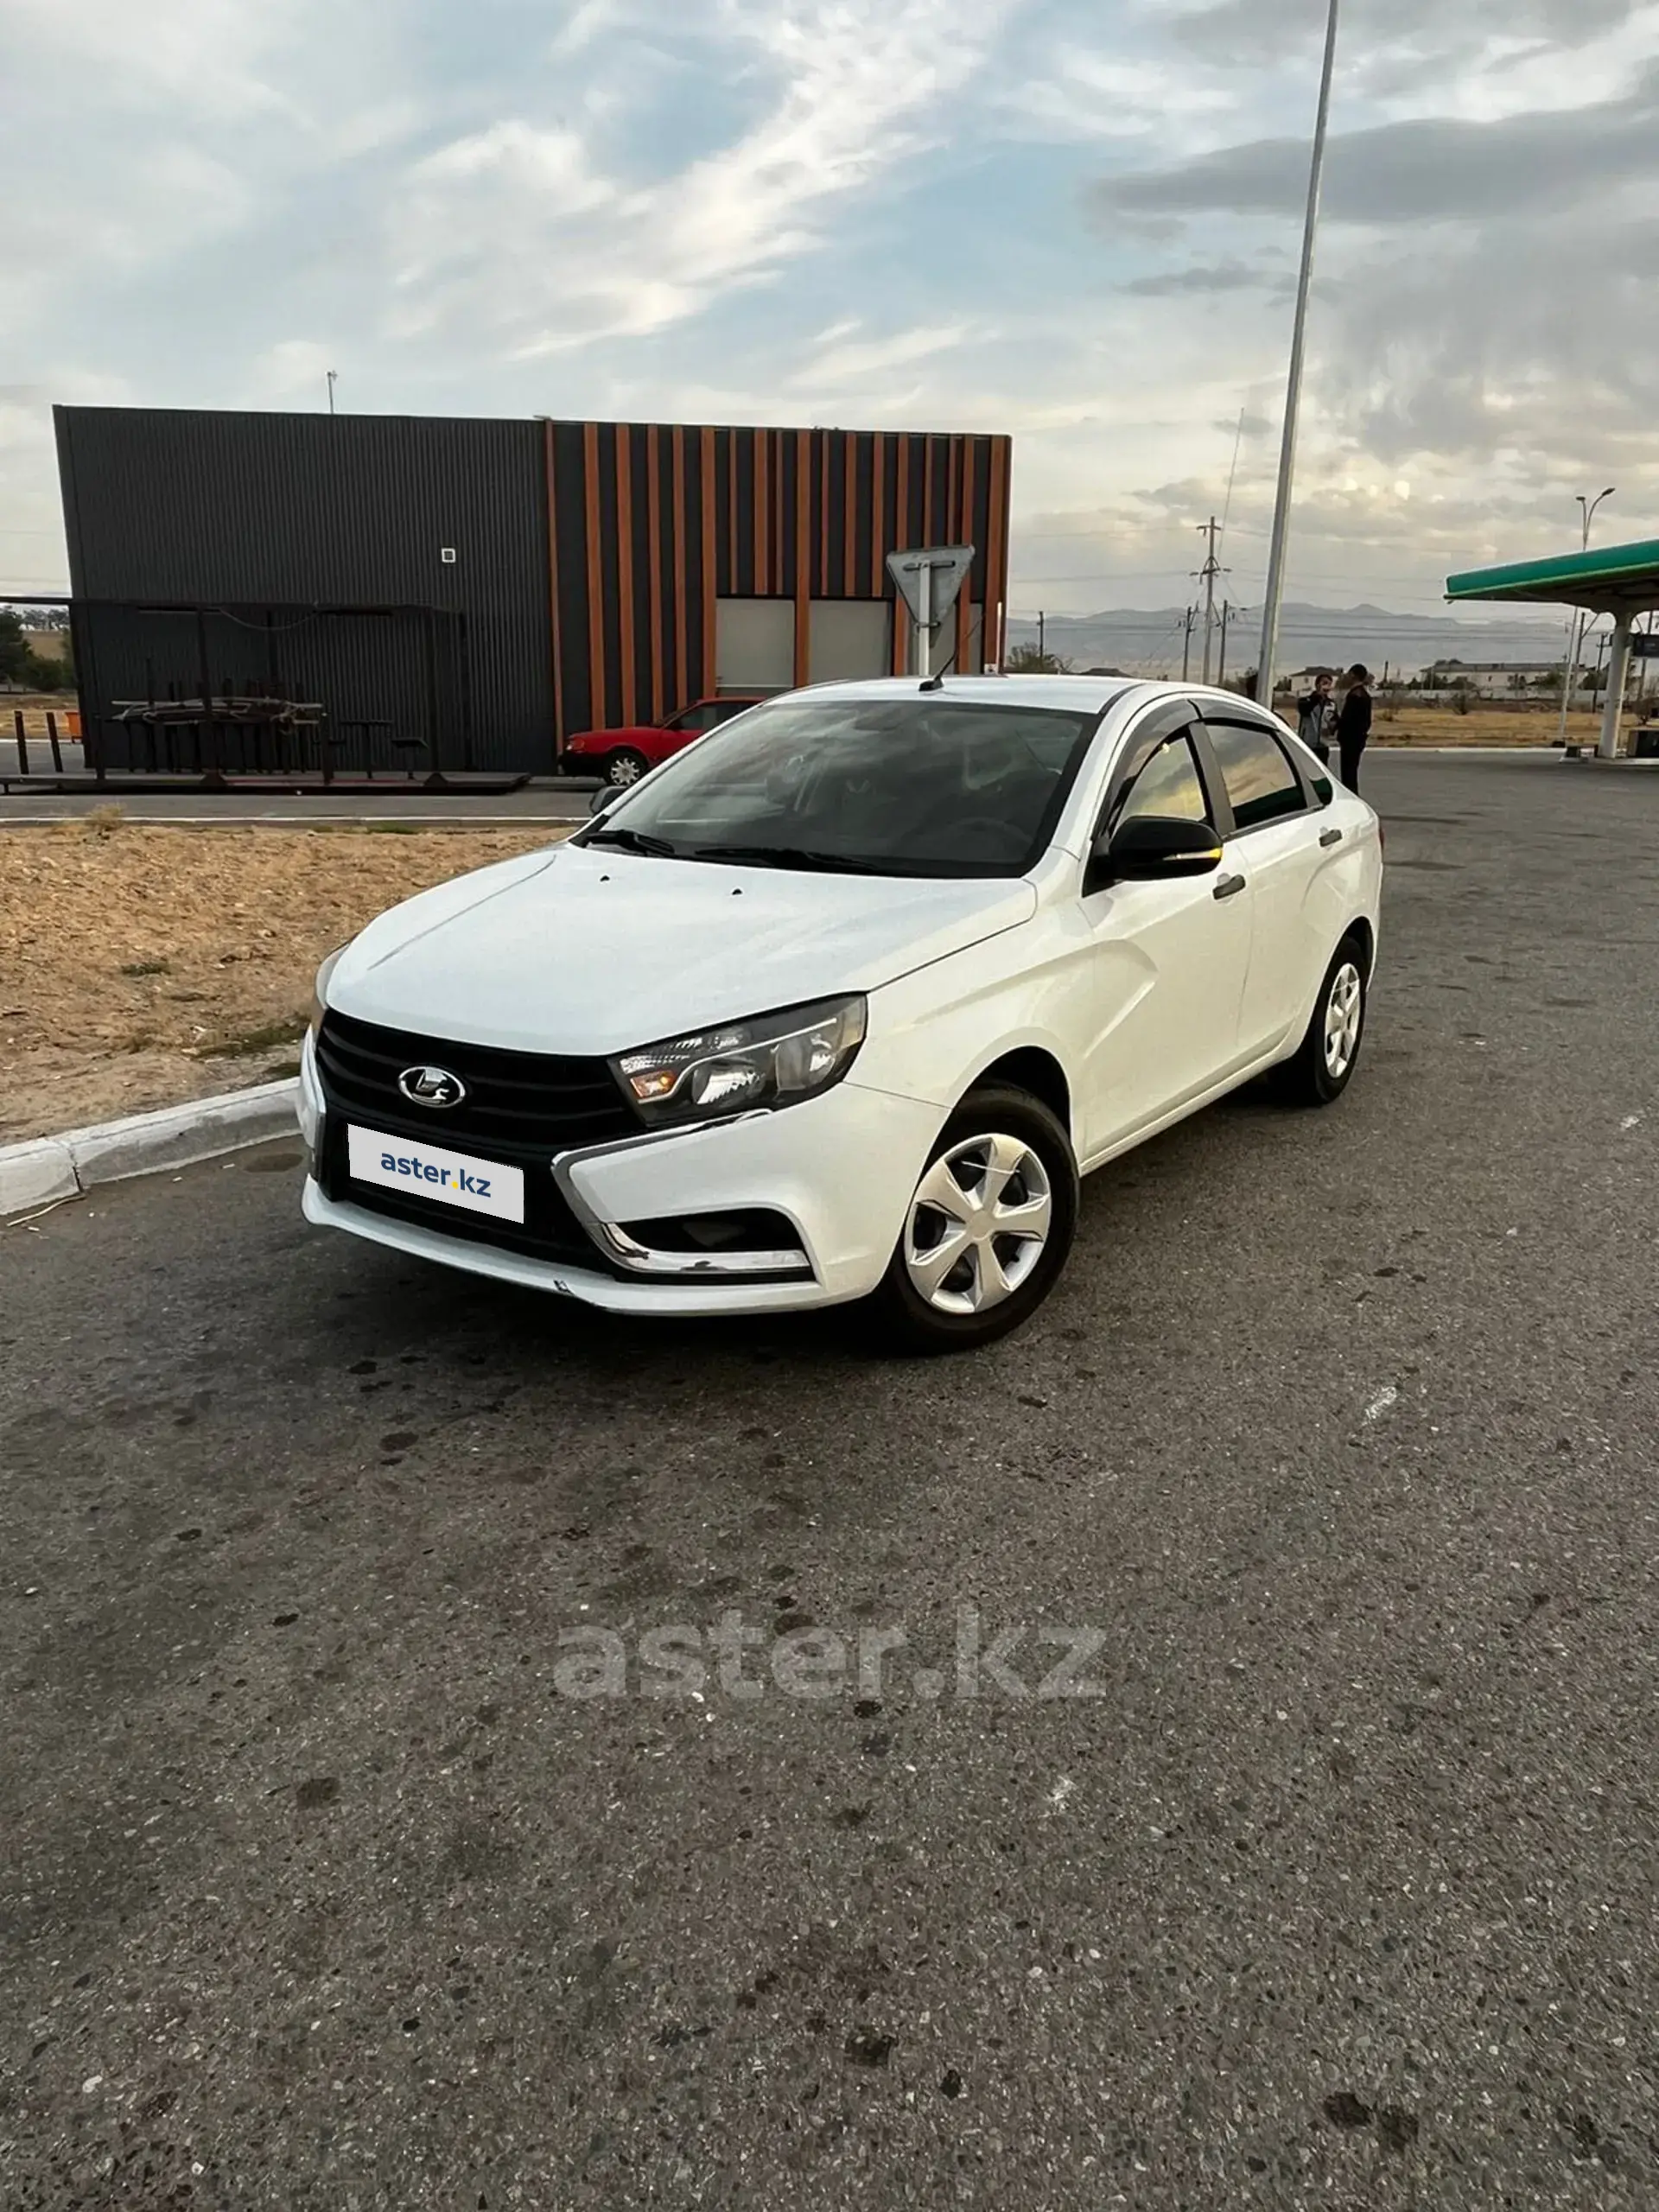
<point>1168,967</point>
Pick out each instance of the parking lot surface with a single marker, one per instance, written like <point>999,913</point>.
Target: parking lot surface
<point>339,1870</point>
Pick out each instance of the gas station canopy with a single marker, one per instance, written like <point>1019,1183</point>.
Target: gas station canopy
<point>1618,580</point>
<point>1622,581</point>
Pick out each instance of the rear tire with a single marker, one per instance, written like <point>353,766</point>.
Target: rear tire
<point>1326,1060</point>
<point>624,766</point>
<point>988,1230</point>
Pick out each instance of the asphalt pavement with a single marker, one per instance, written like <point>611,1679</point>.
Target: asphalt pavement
<point>348,1860</point>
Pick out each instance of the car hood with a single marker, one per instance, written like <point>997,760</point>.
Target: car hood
<point>583,951</point>
<point>591,740</point>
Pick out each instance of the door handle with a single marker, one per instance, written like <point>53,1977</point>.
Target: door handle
<point>1330,837</point>
<point>1229,887</point>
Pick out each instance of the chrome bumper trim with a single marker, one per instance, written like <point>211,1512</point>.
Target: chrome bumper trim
<point>622,1251</point>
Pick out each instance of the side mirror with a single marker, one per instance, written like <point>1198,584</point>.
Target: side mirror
<point>601,798</point>
<point>1152,849</point>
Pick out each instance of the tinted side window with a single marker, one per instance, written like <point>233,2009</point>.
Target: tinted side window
<point>1260,782</point>
<point>1323,789</point>
<point>1168,783</point>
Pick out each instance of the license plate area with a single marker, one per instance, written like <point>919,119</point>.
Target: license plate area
<point>415,1169</point>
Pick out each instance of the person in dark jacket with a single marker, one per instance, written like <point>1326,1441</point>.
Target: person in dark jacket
<point>1315,716</point>
<point>1353,723</point>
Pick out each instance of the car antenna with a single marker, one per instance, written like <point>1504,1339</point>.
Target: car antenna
<point>936,683</point>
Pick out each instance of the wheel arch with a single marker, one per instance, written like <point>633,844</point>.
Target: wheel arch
<point>1361,927</point>
<point>1033,1068</point>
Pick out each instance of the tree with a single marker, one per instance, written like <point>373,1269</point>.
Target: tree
<point>1025,660</point>
<point>15,657</point>
<point>19,665</point>
<point>48,671</point>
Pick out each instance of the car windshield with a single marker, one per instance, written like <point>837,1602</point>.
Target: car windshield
<point>925,785</point>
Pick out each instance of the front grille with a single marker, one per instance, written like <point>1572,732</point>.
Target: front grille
<point>543,1102</point>
<point>521,1109</point>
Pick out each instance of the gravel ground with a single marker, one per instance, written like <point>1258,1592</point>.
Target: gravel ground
<point>333,1877</point>
<point>142,965</point>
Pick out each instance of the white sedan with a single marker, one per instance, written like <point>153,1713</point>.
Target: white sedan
<point>843,1002</point>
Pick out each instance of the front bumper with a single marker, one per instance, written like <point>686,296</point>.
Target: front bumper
<point>840,1169</point>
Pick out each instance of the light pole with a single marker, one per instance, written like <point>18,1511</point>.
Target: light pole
<point>332,374</point>
<point>1269,651</point>
<point>1588,508</point>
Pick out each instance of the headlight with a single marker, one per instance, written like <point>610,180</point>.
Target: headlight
<point>320,988</point>
<point>776,1060</point>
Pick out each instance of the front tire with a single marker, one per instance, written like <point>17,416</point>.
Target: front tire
<point>624,767</point>
<point>1329,1053</point>
<point>988,1230</point>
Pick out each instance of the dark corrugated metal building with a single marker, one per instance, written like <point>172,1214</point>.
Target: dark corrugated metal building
<point>469,593</point>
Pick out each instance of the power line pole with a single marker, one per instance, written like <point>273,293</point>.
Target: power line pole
<point>1207,576</point>
<point>332,380</point>
<point>1269,652</point>
<point>1042,632</point>
<point>1186,644</point>
<point>1221,671</point>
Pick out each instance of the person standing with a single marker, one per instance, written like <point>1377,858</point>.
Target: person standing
<point>1315,715</point>
<point>1353,723</point>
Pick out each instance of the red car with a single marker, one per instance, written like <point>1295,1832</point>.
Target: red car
<point>620,757</point>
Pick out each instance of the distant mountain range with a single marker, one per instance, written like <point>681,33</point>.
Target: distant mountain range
<point>1149,643</point>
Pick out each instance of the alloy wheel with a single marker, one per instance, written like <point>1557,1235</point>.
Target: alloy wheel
<point>1345,1011</point>
<point>978,1223</point>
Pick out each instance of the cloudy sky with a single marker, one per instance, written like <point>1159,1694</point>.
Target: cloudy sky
<point>1076,220</point>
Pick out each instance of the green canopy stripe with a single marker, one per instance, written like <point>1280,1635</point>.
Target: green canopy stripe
<point>1566,576</point>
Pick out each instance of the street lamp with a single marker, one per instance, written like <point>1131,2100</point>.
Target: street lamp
<point>1588,507</point>
<point>1277,550</point>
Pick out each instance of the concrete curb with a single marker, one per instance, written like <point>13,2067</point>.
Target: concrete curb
<point>49,1169</point>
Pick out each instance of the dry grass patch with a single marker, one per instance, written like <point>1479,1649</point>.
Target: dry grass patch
<point>140,964</point>
<point>1481,726</point>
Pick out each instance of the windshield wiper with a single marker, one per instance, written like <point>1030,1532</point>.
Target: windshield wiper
<point>635,840</point>
<point>793,856</point>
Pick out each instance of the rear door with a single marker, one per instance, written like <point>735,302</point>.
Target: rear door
<point>1277,819</point>
<point>1168,960</point>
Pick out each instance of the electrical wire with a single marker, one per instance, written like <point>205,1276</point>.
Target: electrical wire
<point>1232,474</point>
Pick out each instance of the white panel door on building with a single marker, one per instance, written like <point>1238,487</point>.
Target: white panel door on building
<point>850,637</point>
<point>754,645</point>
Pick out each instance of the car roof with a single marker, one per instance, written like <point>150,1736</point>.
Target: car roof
<point>1090,695</point>
<point>1068,693</point>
